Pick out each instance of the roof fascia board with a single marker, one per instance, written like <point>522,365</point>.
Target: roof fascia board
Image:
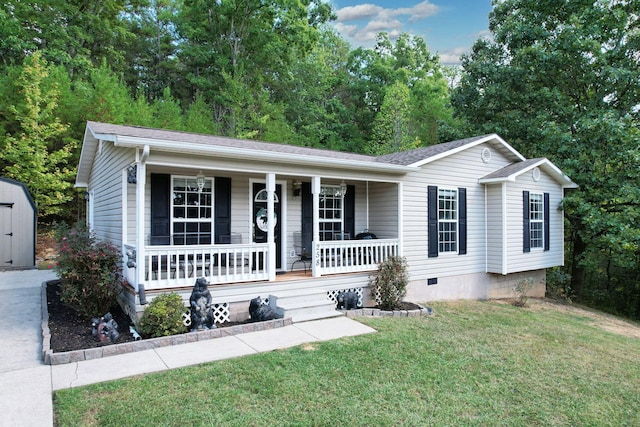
<point>470,145</point>
<point>246,154</point>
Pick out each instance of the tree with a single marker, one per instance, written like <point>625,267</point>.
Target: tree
<point>560,79</point>
<point>392,129</point>
<point>410,63</point>
<point>36,154</point>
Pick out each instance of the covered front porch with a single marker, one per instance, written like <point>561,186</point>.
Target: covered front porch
<point>245,227</point>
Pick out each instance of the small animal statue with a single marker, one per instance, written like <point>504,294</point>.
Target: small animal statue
<point>347,300</point>
<point>260,312</point>
<point>105,329</point>
<point>200,304</point>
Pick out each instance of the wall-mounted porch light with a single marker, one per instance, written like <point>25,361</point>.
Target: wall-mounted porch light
<point>297,189</point>
<point>200,181</point>
<point>342,191</point>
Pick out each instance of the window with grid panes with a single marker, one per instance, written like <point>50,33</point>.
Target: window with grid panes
<point>331,218</point>
<point>536,220</point>
<point>447,220</point>
<point>192,220</point>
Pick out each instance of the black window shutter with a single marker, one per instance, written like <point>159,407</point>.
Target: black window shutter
<point>526,238</point>
<point>350,211</point>
<point>547,233</point>
<point>462,221</point>
<point>432,220</point>
<point>222,208</point>
<point>307,216</point>
<point>160,205</point>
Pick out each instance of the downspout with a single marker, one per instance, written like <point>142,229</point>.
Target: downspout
<point>141,179</point>
<point>367,213</point>
<point>486,231</point>
<point>505,251</point>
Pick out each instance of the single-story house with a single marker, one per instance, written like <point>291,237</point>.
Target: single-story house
<point>295,224</point>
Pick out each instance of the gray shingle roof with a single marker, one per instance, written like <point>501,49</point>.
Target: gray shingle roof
<point>512,169</point>
<point>240,144</point>
<point>403,158</point>
<point>412,156</point>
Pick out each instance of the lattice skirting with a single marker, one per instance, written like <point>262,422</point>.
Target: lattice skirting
<point>221,314</point>
<point>333,295</point>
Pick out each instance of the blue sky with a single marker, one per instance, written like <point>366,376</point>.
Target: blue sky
<point>450,27</point>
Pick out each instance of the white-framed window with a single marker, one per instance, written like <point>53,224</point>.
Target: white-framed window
<point>191,211</point>
<point>331,211</point>
<point>536,220</point>
<point>447,220</point>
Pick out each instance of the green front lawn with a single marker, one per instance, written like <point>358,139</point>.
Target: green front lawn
<point>473,363</point>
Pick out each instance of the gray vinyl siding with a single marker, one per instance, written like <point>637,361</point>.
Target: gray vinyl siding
<point>537,258</point>
<point>383,210</point>
<point>106,188</point>
<point>495,229</point>
<point>462,169</point>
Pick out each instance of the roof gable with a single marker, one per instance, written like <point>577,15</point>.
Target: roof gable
<point>512,171</point>
<point>424,155</point>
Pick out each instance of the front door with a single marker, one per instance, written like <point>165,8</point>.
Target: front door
<point>260,218</point>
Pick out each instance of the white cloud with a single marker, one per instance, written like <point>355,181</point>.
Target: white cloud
<point>377,19</point>
<point>452,56</point>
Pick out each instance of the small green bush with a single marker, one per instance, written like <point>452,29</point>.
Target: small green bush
<point>163,316</point>
<point>90,271</point>
<point>521,291</point>
<point>390,284</point>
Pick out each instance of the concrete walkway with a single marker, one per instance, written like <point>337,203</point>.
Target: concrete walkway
<point>27,384</point>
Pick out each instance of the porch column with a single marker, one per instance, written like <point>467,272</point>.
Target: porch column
<point>400,219</point>
<point>315,191</point>
<point>271,190</point>
<point>141,182</point>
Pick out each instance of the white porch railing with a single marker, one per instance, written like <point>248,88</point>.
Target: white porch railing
<point>346,256</point>
<point>175,266</point>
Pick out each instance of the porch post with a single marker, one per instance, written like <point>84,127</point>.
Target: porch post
<point>271,190</point>
<point>141,181</point>
<point>400,219</point>
<point>315,191</point>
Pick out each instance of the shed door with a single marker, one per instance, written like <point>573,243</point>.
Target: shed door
<point>6,235</point>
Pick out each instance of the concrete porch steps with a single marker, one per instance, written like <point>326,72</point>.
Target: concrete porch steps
<point>304,304</point>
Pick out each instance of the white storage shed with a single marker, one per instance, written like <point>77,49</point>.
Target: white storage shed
<point>18,219</point>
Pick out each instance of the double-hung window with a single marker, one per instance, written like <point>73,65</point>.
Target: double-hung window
<point>536,231</point>
<point>331,211</point>
<point>536,220</point>
<point>447,220</point>
<point>191,220</point>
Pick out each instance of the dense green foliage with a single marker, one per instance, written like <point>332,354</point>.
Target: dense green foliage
<point>163,316</point>
<point>561,79</point>
<point>472,364</point>
<point>390,283</point>
<point>90,271</point>
<point>243,68</point>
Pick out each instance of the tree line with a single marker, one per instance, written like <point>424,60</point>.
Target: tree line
<point>556,79</point>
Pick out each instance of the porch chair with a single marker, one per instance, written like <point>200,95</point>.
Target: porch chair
<point>302,246</point>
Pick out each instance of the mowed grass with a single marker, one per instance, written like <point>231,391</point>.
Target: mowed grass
<point>472,363</point>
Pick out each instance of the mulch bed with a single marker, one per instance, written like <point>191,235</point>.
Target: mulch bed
<point>69,331</point>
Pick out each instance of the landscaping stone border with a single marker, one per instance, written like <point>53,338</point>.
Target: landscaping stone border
<point>376,312</point>
<point>51,358</point>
